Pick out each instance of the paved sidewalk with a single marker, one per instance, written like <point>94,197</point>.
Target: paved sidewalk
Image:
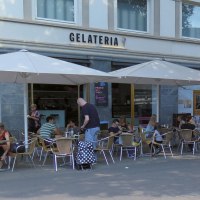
<point>147,178</point>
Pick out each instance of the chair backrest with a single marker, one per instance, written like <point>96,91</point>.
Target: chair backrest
<point>185,134</point>
<point>103,134</point>
<point>64,145</point>
<point>42,143</point>
<point>168,137</point>
<point>196,133</point>
<point>110,142</point>
<point>164,130</point>
<point>31,145</point>
<point>126,139</point>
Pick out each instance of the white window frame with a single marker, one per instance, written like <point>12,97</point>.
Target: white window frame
<point>149,10</point>
<point>57,21</point>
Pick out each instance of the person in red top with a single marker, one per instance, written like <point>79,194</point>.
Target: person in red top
<point>4,146</point>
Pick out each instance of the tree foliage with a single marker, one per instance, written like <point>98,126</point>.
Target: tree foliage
<point>187,11</point>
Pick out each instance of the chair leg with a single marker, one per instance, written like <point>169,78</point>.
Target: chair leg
<point>14,163</point>
<point>120,158</point>
<point>110,151</point>
<point>55,163</point>
<point>31,158</point>
<point>182,148</point>
<point>105,157</point>
<point>9,161</point>
<point>45,159</point>
<point>135,157</point>
<point>41,154</point>
<point>170,150</point>
<point>72,157</point>
<point>163,151</point>
<point>193,149</point>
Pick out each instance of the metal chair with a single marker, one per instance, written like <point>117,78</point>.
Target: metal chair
<point>105,144</point>
<point>127,144</point>
<point>166,143</point>
<point>29,153</point>
<point>186,139</point>
<point>64,149</point>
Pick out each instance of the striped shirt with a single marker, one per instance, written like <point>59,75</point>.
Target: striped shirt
<point>47,130</point>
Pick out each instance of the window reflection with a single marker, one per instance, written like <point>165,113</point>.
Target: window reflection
<point>58,10</point>
<point>132,14</point>
<point>190,20</point>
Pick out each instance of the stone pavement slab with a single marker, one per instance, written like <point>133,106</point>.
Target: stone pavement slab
<point>176,178</point>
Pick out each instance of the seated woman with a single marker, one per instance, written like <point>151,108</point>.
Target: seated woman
<point>123,124</point>
<point>4,146</point>
<point>151,126</point>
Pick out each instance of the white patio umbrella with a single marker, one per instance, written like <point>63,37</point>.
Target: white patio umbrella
<point>157,72</point>
<point>26,67</point>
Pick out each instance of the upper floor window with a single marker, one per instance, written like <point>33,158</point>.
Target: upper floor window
<point>132,14</point>
<point>190,20</point>
<point>62,10</point>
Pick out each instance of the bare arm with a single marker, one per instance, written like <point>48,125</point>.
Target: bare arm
<point>86,120</point>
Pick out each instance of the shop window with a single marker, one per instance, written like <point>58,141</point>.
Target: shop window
<point>62,10</point>
<point>191,20</point>
<point>121,101</point>
<point>132,14</point>
<point>196,102</point>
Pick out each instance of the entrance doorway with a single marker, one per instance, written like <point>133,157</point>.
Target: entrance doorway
<point>57,100</point>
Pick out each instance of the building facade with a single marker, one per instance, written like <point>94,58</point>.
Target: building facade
<point>105,35</point>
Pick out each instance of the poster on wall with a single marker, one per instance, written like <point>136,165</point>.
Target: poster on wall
<point>101,94</point>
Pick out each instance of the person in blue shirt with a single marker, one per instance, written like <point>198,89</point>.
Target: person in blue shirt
<point>151,126</point>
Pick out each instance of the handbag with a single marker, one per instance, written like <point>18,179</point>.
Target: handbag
<point>17,147</point>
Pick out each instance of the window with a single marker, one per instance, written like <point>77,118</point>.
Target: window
<point>132,14</point>
<point>196,102</point>
<point>190,20</point>
<point>62,10</point>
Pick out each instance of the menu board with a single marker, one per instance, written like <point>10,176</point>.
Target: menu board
<point>101,94</point>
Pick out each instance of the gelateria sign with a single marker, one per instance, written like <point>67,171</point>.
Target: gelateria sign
<point>101,40</point>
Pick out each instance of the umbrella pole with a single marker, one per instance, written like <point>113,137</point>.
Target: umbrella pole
<point>132,105</point>
<point>32,102</point>
<point>79,111</point>
<point>25,114</point>
<point>158,103</point>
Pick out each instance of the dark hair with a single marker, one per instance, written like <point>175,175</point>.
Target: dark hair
<point>49,118</point>
<point>115,120</point>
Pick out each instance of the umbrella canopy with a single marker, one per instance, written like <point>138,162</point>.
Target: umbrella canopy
<point>24,66</point>
<point>157,72</point>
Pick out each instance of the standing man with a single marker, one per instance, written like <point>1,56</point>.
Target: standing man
<point>91,121</point>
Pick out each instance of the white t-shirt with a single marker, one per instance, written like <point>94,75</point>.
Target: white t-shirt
<point>158,137</point>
